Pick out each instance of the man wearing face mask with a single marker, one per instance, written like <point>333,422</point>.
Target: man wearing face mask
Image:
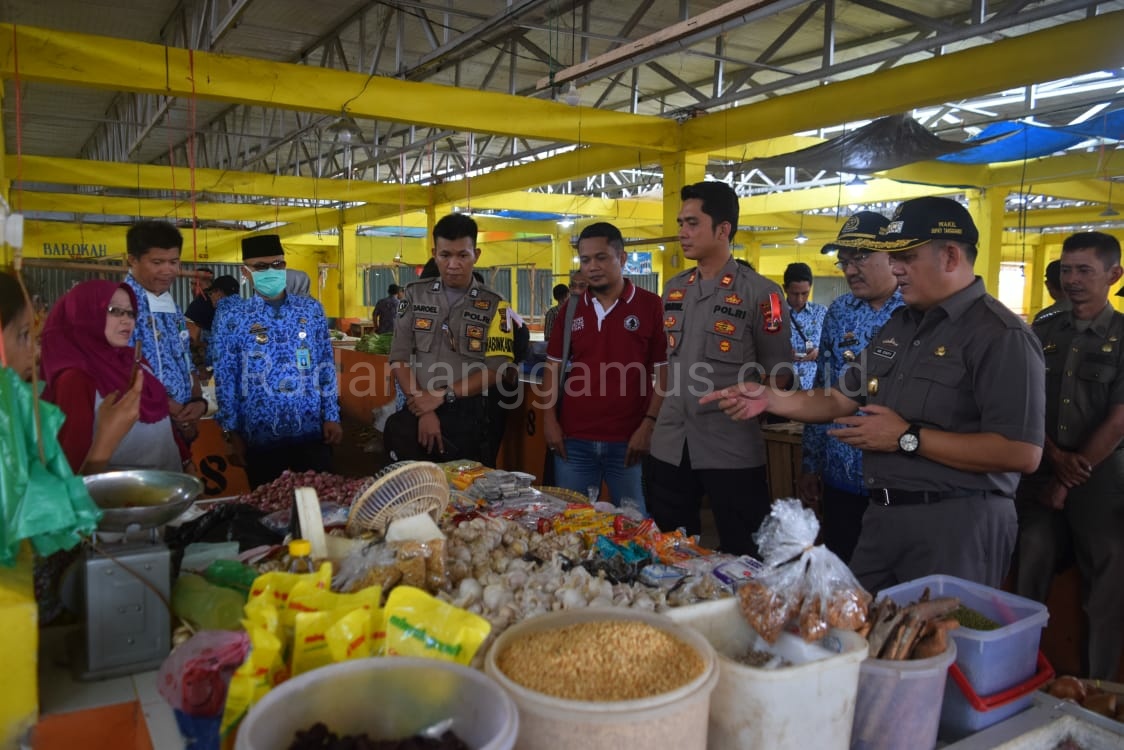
<point>275,377</point>
<point>833,470</point>
<point>154,249</point>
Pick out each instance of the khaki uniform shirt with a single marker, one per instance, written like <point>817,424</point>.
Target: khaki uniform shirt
<point>966,365</point>
<point>1084,373</point>
<point>733,331</point>
<point>444,343</point>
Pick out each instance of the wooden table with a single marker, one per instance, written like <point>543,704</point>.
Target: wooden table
<point>783,452</point>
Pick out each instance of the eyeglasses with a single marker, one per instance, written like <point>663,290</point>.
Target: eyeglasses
<point>121,312</point>
<point>277,265</point>
<point>856,261</point>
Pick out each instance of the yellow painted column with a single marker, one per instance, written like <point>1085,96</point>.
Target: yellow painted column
<point>678,170</point>
<point>986,207</point>
<point>752,250</point>
<point>350,283</point>
<point>1035,291</point>
<point>7,254</point>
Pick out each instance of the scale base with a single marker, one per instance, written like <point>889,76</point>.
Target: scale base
<point>128,625</point>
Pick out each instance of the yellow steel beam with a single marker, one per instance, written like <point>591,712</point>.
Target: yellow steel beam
<point>1037,172</point>
<point>154,177</point>
<point>1056,217</point>
<point>875,191</point>
<point>1090,44</point>
<point>577,205</point>
<point>1094,191</point>
<point>70,58</point>
<point>154,208</point>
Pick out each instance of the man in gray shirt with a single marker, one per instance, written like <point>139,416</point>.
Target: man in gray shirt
<point>952,398</point>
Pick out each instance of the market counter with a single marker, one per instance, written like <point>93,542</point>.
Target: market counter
<point>364,382</point>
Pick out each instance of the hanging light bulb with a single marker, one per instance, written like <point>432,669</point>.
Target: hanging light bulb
<point>800,237</point>
<point>572,96</point>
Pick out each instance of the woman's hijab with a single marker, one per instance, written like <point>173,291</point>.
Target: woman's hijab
<point>74,337</point>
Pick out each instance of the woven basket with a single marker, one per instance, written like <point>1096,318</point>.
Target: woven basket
<point>402,489</point>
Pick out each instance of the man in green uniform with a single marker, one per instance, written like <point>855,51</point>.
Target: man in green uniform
<point>951,392</point>
<point>1076,498</point>
<point>451,338</point>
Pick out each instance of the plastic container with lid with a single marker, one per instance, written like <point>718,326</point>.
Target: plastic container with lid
<point>300,556</point>
<point>389,697</point>
<point>1001,668</point>
<point>675,719</point>
<point>899,702</point>
<point>811,704</point>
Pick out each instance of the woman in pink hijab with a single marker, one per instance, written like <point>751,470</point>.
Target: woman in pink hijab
<point>86,363</point>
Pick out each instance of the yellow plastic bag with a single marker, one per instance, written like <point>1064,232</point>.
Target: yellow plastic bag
<point>307,598</point>
<point>264,666</point>
<point>418,624</point>
<point>323,638</point>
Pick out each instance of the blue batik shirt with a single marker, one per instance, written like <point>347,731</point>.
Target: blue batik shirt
<point>806,326</point>
<point>847,329</point>
<point>165,341</point>
<point>275,375</point>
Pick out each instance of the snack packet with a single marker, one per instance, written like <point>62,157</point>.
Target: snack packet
<point>418,624</point>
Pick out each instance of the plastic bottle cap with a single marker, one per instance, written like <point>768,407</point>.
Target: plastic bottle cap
<point>300,548</point>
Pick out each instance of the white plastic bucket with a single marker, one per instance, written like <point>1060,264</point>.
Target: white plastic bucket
<point>675,719</point>
<point>810,704</point>
<point>386,697</point>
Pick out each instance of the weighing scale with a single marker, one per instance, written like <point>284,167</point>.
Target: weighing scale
<point>126,576</point>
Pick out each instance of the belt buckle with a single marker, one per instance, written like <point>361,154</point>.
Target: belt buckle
<point>881,496</point>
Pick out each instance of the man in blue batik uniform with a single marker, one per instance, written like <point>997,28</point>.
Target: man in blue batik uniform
<point>275,377</point>
<point>833,470</point>
<point>807,323</point>
<point>154,249</point>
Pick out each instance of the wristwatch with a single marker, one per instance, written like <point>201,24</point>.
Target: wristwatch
<point>910,441</point>
<point>450,396</point>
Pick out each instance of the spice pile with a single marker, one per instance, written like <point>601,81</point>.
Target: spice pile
<point>605,660</point>
<point>330,488</point>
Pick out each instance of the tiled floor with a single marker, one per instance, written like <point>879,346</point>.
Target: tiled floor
<point>60,692</point>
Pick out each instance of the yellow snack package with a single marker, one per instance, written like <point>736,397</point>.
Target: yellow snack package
<point>263,669</point>
<point>277,586</point>
<point>306,597</point>
<point>323,638</point>
<point>418,624</point>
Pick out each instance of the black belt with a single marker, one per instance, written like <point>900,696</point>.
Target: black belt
<point>888,497</point>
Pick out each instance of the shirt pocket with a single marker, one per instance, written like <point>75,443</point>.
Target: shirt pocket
<point>933,391</point>
<point>474,341</point>
<point>724,348</point>
<point>423,340</point>
<point>1091,370</point>
<point>673,330</point>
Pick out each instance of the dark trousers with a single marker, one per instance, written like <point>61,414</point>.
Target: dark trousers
<point>842,520</point>
<point>266,463</point>
<point>739,498</point>
<point>465,433</point>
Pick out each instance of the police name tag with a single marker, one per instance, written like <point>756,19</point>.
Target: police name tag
<point>304,359</point>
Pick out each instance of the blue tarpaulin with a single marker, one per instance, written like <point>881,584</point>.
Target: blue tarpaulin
<point>1027,141</point>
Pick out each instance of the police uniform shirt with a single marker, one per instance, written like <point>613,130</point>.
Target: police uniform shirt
<point>966,365</point>
<point>716,337</point>
<point>444,342</point>
<point>1084,373</point>
<point>275,374</point>
<point>165,341</point>
<point>848,328</point>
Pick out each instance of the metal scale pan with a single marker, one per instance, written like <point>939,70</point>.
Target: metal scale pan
<point>127,582</point>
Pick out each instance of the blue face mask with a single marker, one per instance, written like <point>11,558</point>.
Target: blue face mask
<point>269,283</point>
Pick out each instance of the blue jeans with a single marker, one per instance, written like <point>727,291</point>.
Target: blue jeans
<point>588,462</point>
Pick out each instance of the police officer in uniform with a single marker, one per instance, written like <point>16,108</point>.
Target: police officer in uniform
<point>724,324</point>
<point>1076,498</point>
<point>451,340</point>
<point>275,375</point>
<point>953,401</point>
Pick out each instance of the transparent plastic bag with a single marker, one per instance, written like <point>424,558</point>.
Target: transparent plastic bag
<point>800,581</point>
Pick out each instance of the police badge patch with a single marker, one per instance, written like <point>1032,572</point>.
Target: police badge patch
<point>423,324</point>
<point>475,345</point>
<point>482,304</point>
